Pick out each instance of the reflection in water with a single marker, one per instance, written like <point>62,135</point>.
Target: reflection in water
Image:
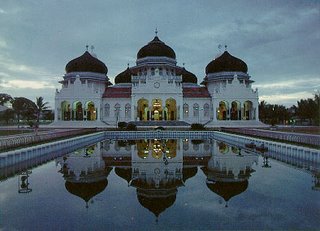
<point>85,172</point>
<point>228,171</point>
<point>157,168</point>
<point>24,185</point>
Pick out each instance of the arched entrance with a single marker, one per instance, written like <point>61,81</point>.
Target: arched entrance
<point>65,110</point>
<point>248,109</point>
<point>170,110</point>
<point>156,110</point>
<point>91,111</point>
<point>77,111</point>
<point>143,109</point>
<point>235,113</point>
<point>222,110</point>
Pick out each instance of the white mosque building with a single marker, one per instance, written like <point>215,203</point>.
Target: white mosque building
<point>156,91</point>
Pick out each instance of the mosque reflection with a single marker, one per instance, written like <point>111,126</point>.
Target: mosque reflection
<point>157,168</point>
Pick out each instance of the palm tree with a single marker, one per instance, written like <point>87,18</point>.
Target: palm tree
<point>41,106</point>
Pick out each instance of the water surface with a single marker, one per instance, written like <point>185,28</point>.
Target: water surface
<point>160,185</point>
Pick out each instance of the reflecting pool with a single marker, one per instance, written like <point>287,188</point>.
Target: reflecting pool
<point>169,184</point>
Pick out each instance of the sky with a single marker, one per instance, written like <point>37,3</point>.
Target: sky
<point>278,39</point>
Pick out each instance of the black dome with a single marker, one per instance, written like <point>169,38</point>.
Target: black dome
<point>86,190</point>
<point>155,204</point>
<point>86,63</point>
<point>228,190</point>
<point>187,76</point>
<point>124,77</point>
<point>226,62</point>
<point>156,48</point>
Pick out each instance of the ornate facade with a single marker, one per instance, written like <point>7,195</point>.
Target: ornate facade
<point>156,89</point>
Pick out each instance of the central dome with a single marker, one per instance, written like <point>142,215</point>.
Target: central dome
<point>156,48</point>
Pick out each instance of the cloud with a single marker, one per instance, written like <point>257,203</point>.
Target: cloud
<point>2,11</point>
<point>26,84</point>
<point>310,82</point>
<point>286,99</point>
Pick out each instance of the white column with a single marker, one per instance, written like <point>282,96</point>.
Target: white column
<point>56,112</point>
<point>214,111</point>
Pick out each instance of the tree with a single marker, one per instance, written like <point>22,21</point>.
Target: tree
<point>263,111</point>
<point>4,98</point>
<point>23,107</point>
<point>8,115</point>
<point>41,106</point>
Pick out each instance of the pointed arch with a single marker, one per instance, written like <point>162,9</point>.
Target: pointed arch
<point>65,110</point>
<point>127,111</point>
<point>171,112</point>
<point>185,110</point>
<point>206,110</point>
<point>77,111</point>
<point>143,109</point>
<point>91,111</point>
<point>235,112</point>
<point>248,110</point>
<point>222,110</point>
<point>195,110</point>
<point>107,110</point>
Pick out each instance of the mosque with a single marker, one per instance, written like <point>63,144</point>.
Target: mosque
<point>156,91</point>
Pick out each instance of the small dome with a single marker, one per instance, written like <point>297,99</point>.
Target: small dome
<point>86,63</point>
<point>86,190</point>
<point>226,62</point>
<point>227,190</point>
<point>156,48</point>
<point>124,77</point>
<point>187,76</point>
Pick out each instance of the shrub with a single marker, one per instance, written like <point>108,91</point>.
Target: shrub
<point>131,127</point>
<point>197,141</point>
<point>122,125</point>
<point>197,126</point>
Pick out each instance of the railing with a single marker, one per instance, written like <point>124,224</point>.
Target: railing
<point>274,148</point>
<point>285,136</point>
<point>158,134</point>
<point>33,138</point>
<point>47,151</point>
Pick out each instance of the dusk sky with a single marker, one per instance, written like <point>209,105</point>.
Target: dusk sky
<point>279,40</point>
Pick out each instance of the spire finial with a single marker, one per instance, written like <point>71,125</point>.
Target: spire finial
<point>225,46</point>
<point>156,31</point>
<point>183,64</point>
<point>128,65</point>
<point>87,47</point>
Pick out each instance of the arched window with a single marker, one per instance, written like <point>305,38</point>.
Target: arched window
<point>127,110</point>
<point>248,110</point>
<point>117,111</point>
<point>91,111</point>
<point>107,110</point>
<point>185,110</point>
<point>65,110</point>
<point>206,110</point>
<point>222,110</point>
<point>235,111</point>
<point>195,110</point>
